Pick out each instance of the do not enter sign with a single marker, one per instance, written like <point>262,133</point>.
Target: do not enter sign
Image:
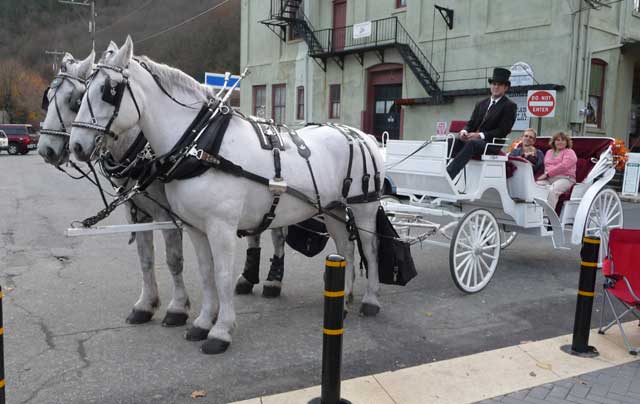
<point>541,103</point>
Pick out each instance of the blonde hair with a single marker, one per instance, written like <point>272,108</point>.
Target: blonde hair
<point>560,135</point>
<point>535,133</point>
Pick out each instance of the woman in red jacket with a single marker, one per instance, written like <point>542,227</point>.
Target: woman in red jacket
<point>559,167</point>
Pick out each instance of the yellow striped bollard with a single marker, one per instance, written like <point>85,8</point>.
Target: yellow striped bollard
<point>586,293</point>
<point>332,331</point>
<point>2,383</point>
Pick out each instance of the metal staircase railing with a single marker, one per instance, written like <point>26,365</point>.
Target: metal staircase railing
<point>337,42</point>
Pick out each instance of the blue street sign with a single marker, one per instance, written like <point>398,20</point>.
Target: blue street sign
<point>217,80</point>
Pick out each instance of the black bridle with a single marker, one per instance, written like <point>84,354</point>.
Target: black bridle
<point>74,101</point>
<point>112,93</point>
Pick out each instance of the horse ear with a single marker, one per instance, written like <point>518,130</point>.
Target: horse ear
<point>86,65</point>
<point>67,58</point>
<point>124,54</point>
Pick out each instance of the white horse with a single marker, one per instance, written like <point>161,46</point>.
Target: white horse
<point>68,85</point>
<point>218,203</point>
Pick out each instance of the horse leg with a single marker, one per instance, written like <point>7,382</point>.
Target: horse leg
<point>251,274</point>
<point>273,284</point>
<point>222,240</point>
<point>178,309</point>
<point>344,246</point>
<point>148,301</point>
<point>203,323</point>
<point>365,216</point>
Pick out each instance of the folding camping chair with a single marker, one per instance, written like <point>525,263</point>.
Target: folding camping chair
<point>622,278</point>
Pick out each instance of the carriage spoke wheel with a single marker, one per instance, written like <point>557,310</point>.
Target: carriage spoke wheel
<point>604,214</point>
<point>475,250</point>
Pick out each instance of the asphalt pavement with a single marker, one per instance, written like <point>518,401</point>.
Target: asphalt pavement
<point>66,300</point>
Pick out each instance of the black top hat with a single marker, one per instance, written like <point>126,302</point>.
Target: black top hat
<point>500,75</point>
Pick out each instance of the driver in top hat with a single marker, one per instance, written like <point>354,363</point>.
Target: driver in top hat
<point>492,118</point>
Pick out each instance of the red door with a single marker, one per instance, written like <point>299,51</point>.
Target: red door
<point>339,22</point>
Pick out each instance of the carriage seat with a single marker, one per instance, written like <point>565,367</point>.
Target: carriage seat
<point>521,184</point>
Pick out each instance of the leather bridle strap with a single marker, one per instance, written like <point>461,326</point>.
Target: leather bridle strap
<point>94,122</point>
<point>63,130</point>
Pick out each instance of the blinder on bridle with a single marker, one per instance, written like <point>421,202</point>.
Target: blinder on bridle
<point>112,92</point>
<point>74,101</point>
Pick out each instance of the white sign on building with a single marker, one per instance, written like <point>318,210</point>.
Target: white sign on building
<point>362,30</point>
<point>521,74</point>
<point>631,175</point>
<point>522,119</point>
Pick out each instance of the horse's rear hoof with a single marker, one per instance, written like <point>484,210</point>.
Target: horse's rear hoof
<point>139,317</point>
<point>175,319</point>
<point>271,291</point>
<point>194,333</point>
<point>244,287</point>
<point>369,310</point>
<point>214,346</point>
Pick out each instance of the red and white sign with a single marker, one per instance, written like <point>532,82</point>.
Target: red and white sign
<point>441,128</point>
<point>541,103</point>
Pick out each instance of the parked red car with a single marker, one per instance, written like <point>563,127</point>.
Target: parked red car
<point>22,138</point>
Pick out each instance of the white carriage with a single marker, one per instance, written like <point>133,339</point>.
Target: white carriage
<point>487,208</point>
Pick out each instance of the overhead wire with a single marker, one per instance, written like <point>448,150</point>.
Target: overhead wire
<point>118,20</point>
<point>188,20</point>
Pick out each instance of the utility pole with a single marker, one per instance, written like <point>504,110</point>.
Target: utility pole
<point>55,55</point>
<point>92,23</point>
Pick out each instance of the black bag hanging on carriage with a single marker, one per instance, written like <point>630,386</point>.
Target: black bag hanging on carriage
<point>308,237</point>
<point>395,263</point>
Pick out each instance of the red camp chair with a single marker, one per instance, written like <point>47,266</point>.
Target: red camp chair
<point>622,278</point>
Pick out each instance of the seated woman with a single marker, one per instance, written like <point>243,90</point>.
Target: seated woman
<point>530,152</point>
<point>559,167</point>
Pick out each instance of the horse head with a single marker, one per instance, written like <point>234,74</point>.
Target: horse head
<point>108,107</point>
<point>61,101</point>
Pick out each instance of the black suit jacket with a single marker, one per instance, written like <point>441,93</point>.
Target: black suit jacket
<point>498,121</point>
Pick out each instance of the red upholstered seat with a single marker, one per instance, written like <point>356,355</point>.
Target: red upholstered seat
<point>457,126</point>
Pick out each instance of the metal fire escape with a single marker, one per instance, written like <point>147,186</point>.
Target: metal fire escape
<point>336,43</point>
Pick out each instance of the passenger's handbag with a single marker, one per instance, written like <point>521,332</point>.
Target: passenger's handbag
<point>395,263</point>
<point>308,237</point>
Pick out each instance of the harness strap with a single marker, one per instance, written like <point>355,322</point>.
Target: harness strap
<point>376,176</point>
<point>346,183</point>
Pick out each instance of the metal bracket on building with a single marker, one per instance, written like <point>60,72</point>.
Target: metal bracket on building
<point>322,63</point>
<point>380,53</point>
<point>360,58</point>
<point>447,15</point>
<point>339,61</point>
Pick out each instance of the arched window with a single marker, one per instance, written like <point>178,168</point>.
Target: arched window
<point>596,92</point>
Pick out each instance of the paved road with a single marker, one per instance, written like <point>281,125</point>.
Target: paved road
<point>66,300</point>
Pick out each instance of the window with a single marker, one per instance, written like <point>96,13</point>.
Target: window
<point>596,92</point>
<point>279,102</point>
<point>300,103</point>
<point>293,33</point>
<point>334,101</point>
<point>260,101</point>
<point>403,3</point>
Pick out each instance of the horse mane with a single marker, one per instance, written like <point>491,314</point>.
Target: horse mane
<point>175,80</point>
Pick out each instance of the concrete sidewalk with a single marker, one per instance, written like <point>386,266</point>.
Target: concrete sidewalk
<point>529,373</point>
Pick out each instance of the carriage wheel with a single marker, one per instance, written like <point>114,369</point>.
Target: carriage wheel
<point>605,213</point>
<point>507,238</point>
<point>475,250</point>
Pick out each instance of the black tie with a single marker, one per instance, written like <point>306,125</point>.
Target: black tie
<point>493,102</point>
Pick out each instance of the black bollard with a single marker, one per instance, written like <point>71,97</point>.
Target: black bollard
<point>586,292</point>
<point>2,383</point>
<point>332,332</point>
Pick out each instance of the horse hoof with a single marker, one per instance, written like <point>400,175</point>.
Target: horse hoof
<point>139,317</point>
<point>369,310</point>
<point>270,291</point>
<point>244,288</point>
<point>214,346</point>
<point>194,333</point>
<point>174,319</point>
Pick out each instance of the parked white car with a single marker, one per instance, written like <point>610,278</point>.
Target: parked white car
<point>4,141</point>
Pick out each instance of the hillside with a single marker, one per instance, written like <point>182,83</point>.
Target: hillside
<point>28,28</point>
